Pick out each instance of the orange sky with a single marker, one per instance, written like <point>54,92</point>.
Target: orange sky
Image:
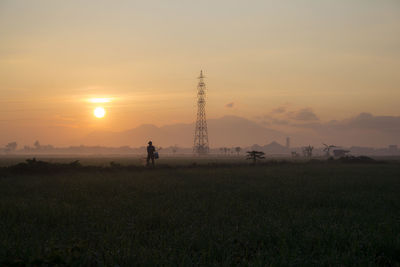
<point>335,58</point>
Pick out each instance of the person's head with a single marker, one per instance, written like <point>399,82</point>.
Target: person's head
<point>150,143</point>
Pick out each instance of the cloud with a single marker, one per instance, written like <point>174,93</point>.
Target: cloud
<point>229,105</point>
<point>278,110</point>
<point>363,121</point>
<point>380,123</point>
<point>266,123</point>
<point>280,122</point>
<point>364,129</point>
<point>305,114</point>
<point>282,116</point>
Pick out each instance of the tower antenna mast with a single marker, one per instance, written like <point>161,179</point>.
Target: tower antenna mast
<point>201,146</point>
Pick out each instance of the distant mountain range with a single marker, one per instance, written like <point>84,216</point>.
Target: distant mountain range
<point>226,131</point>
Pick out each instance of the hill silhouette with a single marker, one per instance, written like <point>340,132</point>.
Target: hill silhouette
<point>275,148</point>
<point>224,131</point>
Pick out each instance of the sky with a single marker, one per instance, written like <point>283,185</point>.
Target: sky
<point>287,65</point>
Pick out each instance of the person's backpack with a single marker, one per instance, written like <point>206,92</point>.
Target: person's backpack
<point>156,155</point>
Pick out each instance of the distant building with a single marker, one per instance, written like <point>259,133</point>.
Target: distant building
<point>287,142</point>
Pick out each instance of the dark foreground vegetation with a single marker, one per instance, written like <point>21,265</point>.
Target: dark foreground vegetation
<point>316,213</point>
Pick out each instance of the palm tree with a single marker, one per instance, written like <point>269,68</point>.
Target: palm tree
<point>224,150</point>
<point>255,155</point>
<point>238,149</point>
<point>307,151</point>
<point>10,147</point>
<point>37,144</point>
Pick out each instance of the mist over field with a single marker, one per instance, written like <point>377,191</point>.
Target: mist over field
<point>365,130</point>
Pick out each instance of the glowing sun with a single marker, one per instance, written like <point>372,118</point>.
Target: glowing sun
<point>99,112</point>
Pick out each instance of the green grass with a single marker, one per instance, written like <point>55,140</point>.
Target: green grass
<point>279,215</point>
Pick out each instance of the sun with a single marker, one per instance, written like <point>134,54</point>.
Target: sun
<point>99,112</point>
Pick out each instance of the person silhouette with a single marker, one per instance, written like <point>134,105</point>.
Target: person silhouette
<point>150,154</point>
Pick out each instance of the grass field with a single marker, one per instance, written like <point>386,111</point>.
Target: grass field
<point>138,160</point>
<point>274,214</point>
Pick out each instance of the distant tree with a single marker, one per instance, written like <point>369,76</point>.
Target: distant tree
<point>175,149</point>
<point>238,149</point>
<point>307,151</point>
<point>255,155</point>
<point>115,165</point>
<point>295,154</point>
<point>11,147</point>
<point>327,149</point>
<point>36,144</point>
<point>224,150</point>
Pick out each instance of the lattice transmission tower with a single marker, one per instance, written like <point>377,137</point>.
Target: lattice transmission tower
<point>200,146</point>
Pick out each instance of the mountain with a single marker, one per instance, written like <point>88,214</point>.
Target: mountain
<point>226,131</point>
<point>275,148</point>
<point>271,148</point>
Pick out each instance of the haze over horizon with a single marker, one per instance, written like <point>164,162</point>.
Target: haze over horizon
<point>313,70</point>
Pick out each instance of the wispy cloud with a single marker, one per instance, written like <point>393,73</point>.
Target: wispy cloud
<point>285,115</point>
<point>305,114</point>
<point>279,110</point>
<point>363,121</point>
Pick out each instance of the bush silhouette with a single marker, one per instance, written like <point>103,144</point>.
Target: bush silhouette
<point>255,155</point>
